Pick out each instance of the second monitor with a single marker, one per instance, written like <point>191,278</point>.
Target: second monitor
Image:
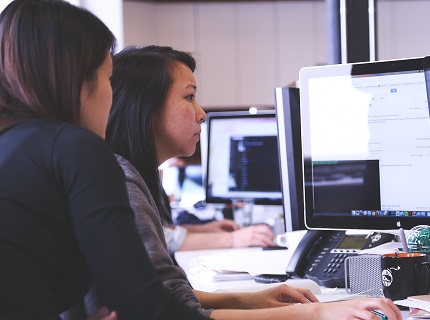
<point>242,157</point>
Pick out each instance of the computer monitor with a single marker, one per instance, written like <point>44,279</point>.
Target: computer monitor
<point>290,156</point>
<point>242,157</point>
<point>366,144</point>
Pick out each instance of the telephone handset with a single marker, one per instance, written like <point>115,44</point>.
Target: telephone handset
<point>321,254</point>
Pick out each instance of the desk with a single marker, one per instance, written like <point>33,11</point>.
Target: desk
<point>187,259</point>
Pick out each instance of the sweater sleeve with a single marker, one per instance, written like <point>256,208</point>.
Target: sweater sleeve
<point>175,237</point>
<point>150,229</point>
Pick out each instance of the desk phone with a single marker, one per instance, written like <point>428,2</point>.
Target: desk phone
<point>320,255</point>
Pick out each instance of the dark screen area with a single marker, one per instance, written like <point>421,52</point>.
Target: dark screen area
<point>254,164</point>
<point>344,186</point>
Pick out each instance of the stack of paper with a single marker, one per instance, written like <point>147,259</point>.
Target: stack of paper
<point>421,302</point>
<point>239,264</point>
<point>252,261</point>
<point>419,314</point>
<point>208,274</point>
<point>420,305</point>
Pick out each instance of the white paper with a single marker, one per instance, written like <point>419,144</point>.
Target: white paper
<point>421,302</point>
<point>252,261</point>
<point>212,275</point>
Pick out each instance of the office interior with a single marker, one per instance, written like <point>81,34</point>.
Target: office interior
<point>245,49</point>
<point>260,45</point>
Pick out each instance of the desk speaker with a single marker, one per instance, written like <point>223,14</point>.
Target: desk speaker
<point>363,275</point>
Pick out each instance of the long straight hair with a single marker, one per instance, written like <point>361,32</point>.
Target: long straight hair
<point>48,48</point>
<point>141,81</point>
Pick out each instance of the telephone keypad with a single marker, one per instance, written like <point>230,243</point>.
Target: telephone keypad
<point>332,260</point>
<point>322,254</point>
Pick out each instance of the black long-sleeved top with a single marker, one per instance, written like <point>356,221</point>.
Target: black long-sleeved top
<point>65,221</point>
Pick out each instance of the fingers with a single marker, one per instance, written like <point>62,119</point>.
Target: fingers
<point>296,295</point>
<point>307,294</point>
<point>257,235</point>
<point>281,296</point>
<point>361,308</point>
<point>386,306</point>
<point>263,235</point>
<point>228,225</point>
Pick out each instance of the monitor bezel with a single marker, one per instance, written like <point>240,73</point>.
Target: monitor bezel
<point>290,149</point>
<point>350,222</point>
<point>226,115</point>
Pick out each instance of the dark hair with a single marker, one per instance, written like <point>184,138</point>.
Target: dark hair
<point>47,49</point>
<point>141,81</point>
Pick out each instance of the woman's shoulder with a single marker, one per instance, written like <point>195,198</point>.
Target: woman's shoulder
<point>75,141</point>
<point>132,175</point>
<point>138,192</point>
<point>130,171</point>
<point>57,130</point>
<point>54,137</point>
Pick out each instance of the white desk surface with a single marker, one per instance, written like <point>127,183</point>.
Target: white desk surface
<point>253,260</point>
<point>187,260</point>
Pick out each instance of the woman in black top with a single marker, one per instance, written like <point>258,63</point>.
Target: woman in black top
<point>65,220</point>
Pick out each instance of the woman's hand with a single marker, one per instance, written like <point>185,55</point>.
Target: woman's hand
<point>357,309</point>
<point>278,296</point>
<point>260,235</point>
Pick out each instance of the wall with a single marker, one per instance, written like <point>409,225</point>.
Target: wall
<point>243,49</point>
<point>246,49</point>
<point>403,28</point>
<point>109,11</point>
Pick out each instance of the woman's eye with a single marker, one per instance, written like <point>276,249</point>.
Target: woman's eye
<point>190,97</point>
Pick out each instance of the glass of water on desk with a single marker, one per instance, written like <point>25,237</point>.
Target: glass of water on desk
<point>242,211</point>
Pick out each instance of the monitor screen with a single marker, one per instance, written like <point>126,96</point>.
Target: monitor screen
<point>242,157</point>
<point>366,145</point>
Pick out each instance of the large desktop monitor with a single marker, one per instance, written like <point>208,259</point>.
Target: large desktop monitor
<point>242,157</point>
<point>290,155</point>
<point>366,145</point>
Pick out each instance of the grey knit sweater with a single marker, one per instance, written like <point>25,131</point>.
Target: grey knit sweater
<point>149,225</point>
